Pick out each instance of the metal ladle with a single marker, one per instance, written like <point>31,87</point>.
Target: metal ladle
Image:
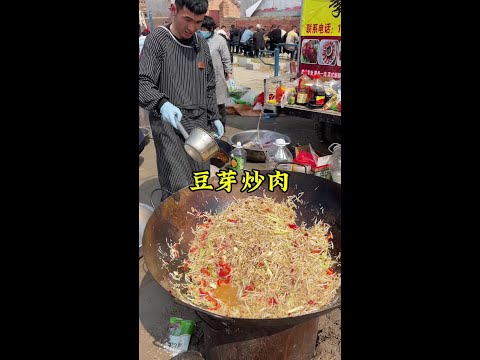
<point>200,145</point>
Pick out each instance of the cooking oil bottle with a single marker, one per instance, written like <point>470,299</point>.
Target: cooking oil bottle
<point>278,154</point>
<point>238,157</point>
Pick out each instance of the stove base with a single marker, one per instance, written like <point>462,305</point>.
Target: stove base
<point>295,342</point>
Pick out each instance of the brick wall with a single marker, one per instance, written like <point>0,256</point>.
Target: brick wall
<point>214,4</point>
<point>229,9</point>
<point>159,21</point>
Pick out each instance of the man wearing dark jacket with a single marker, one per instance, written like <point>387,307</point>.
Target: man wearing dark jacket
<point>258,41</point>
<point>234,39</point>
<point>275,37</point>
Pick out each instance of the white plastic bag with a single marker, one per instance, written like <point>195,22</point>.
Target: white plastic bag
<point>258,106</point>
<point>249,97</point>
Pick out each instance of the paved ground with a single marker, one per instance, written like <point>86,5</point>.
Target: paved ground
<point>155,304</point>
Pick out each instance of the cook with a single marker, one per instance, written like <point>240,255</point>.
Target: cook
<point>177,83</point>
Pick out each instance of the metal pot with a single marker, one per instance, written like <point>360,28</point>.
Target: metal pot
<point>256,154</point>
<point>200,145</point>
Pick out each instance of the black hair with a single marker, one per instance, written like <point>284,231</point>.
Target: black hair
<point>198,7</point>
<point>208,23</point>
<point>145,32</point>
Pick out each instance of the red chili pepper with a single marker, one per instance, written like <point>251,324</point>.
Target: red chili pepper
<point>185,266</point>
<point>232,221</point>
<point>209,220</point>
<point>295,244</point>
<point>200,290</point>
<point>311,302</point>
<point>330,271</point>
<point>316,251</point>
<point>216,307</point>
<point>250,287</point>
<point>205,271</point>
<point>325,286</point>
<point>293,226</point>
<point>204,283</point>
<point>225,270</point>
<point>272,301</point>
<point>211,299</point>
<point>204,235</point>
<point>305,234</point>
<point>225,281</point>
<point>193,249</point>
<point>260,263</point>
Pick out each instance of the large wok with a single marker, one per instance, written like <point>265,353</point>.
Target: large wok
<point>170,219</point>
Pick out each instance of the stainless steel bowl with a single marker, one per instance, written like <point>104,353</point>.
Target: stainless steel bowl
<point>145,211</point>
<point>250,139</point>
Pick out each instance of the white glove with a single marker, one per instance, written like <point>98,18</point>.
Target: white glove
<point>170,113</point>
<point>220,129</point>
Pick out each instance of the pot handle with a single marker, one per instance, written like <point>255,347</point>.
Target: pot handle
<point>153,192</point>
<point>151,197</point>
<point>226,137</point>
<point>181,128</point>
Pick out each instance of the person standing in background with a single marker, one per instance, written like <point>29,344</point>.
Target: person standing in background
<point>223,34</point>
<point>234,39</point>
<point>221,63</point>
<point>258,40</point>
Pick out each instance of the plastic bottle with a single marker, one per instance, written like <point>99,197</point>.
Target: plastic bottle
<point>302,93</point>
<point>238,157</point>
<point>279,92</point>
<point>335,162</point>
<point>318,98</point>
<point>277,154</point>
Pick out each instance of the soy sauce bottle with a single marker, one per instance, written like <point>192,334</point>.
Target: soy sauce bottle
<point>318,99</point>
